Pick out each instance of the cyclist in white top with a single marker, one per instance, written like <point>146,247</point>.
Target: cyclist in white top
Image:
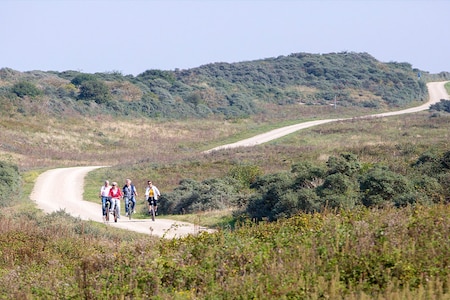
<point>104,195</point>
<point>152,193</point>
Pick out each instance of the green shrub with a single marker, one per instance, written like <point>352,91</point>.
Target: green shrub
<point>94,90</point>
<point>381,186</point>
<point>25,88</point>
<point>346,164</point>
<point>271,189</point>
<point>192,196</point>
<point>443,105</point>
<point>245,174</point>
<point>338,191</point>
<point>10,183</point>
<point>79,79</point>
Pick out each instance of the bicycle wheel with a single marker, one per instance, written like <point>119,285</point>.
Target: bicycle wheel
<point>116,212</point>
<point>130,211</point>
<point>153,212</point>
<point>107,211</point>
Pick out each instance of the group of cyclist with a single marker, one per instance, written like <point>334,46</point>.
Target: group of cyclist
<point>112,194</point>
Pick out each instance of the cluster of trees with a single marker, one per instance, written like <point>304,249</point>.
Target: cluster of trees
<point>342,183</point>
<point>230,90</point>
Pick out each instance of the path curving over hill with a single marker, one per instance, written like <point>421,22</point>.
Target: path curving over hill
<point>436,91</point>
<point>62,189</point>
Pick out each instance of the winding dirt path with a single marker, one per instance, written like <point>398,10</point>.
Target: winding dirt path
<point>436,92</point>
<point>62,189</point>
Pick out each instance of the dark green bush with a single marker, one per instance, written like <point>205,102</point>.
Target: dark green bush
<point>271,189</point>
<point>343,184</point>
<point>193,196</point>
<point>25,88</point>
<point>81,78</point>
<point>10,183</point>
<point>94,90</point>
<point>338,191</point>
<point>443,105</point>
<point>381,186</point>
<point>346,164</point>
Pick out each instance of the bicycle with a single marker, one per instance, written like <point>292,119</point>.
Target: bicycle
<point>152,209</point>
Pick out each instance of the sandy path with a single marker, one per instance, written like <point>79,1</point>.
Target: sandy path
<point>62,189</point>
<point>436,92</point>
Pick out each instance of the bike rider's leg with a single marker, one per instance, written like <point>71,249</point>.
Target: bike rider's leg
<point>126,205</point>
<point>133,205</point>
<point>104,205</point>
<point>115,202</point>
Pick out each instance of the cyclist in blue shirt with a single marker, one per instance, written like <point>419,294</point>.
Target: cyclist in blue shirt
<point>129,194</point>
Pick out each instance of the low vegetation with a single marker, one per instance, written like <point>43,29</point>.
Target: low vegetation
<point>10,183</point>
<point>355,209</point>
<point>357,254</point>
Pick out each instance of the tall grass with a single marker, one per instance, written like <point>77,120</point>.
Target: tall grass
<point>363,254</point>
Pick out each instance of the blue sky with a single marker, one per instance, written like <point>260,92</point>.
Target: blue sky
<point>132,36</point>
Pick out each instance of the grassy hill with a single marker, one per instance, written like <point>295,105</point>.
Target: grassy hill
<point>217,90</point>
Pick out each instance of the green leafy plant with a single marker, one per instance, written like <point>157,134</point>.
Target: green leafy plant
<point>10,184</point>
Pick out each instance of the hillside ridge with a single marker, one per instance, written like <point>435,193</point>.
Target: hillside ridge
<point>230,90</point>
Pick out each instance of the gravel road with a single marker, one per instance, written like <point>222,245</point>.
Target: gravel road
<point>436,91</point>
<point>62,189</point>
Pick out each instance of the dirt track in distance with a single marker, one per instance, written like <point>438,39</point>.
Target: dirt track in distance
<point>436,91</point>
